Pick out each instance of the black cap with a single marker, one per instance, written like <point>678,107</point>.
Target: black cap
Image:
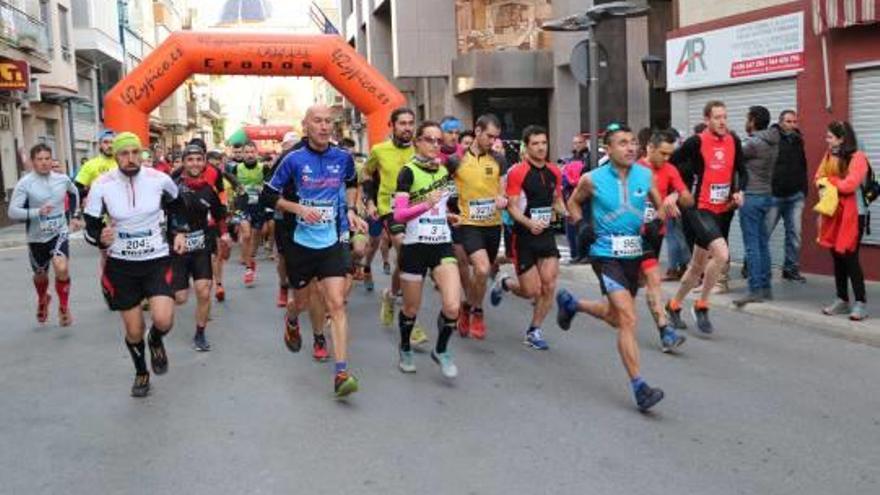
<point>192,149</point>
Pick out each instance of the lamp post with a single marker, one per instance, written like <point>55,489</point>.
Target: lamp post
<point>651,66</point>
<point>588,22</point>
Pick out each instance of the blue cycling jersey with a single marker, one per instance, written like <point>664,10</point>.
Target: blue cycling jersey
<point>318,179</point>
<point>618,209</point>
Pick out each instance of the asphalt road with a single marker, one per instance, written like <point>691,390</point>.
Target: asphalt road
<point>759,409</point>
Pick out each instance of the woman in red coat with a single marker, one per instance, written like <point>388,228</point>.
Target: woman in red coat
<point>845,168</point>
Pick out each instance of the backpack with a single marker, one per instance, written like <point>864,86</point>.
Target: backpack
<point>870,187</point>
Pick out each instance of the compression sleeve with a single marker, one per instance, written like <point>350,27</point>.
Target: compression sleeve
<point>403,210</point>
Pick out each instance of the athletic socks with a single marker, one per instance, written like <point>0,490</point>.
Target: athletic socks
<point>341,366</point>
<point>406,328</point>
<point>42,286</point>
<point>200,329</point>
<point>636,383</point>
<point>532,328</point>
<point>62,288</point>
<point>445,327</point>
<point>138,356</point>
<point>156,335</point>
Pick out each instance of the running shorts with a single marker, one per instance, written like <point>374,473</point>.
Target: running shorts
<point>652,245</point>
<point>126,283</point>
<point>392,226</point>
<point>256,215</point>
<point>195,265</point>
<point>417,259</point>
<point>616,274</point>
<point>41,253</point>
<point>703,227</point>
<point>474,238</point>
<point>528,249</point>
<point>375,226</point>
<point>305,264</point>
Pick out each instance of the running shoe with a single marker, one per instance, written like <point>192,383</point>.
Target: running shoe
<point>64,318</point>
<point>386,308</point>
<point>200,342</point>
<point>418,337</point>
<point>369,285</point>
<point>464,322</point>
<point>220,293</point>
<point>345,384</point>
<point>838,307</point>
<point>444,360</point>
<point>292,337</point>
<point>535,340</point>
<point>497,292</point>
<point>249,277</point>
<point>141,385</point>
<point>564,301</point>
<point>386,268</point>
<point>670,340</point>
<point>674,315</point>
<point>478,325</point>
<point>282,297</point>
<point>43,308</point>
<point>793,276</point>
<point>158,356</point>
<point>647,397</point>
<point>701,316</point>
<point>859,312</point>
<point>407,363</point>
<point>319,349</point>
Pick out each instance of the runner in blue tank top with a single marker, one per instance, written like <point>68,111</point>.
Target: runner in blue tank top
<point>618,193</point>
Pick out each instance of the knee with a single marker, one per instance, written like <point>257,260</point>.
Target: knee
<point>530,291</point>
<point>481,269</point>
<point>452,308</point>
<point>204,293</point>
<point>181,297</point>
<point>626,322</point>
<point>548,288</point>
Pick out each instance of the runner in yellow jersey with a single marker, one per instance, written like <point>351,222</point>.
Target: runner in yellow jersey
<point>477,177</point>
<point>385,161</point>
<point>97,165</point>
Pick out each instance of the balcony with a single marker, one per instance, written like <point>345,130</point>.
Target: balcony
<point>22,31</point>
<point>96,31</point>
<point>210,108</point>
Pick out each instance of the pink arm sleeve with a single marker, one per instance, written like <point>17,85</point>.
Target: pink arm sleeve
<point>404,211</point>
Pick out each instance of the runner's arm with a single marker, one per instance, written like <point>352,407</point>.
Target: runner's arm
<point>218,212</point>
<point>404,211</point>
<point>93,213</point>
<point>173,203</point>
<point>18,209</point>
<point>74,200</point>
<point>582,193</point>
<point>683,159</point>
<point>740,173</point>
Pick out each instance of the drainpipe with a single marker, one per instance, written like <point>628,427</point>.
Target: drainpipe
<point>71,140</point>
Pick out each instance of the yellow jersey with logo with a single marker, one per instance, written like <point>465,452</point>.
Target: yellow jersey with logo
<point>478,180</point>
<point>94,168</point>
<point>387,158</point>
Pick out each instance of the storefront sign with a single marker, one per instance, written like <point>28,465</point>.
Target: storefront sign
<point>13,74</point>
<point>757,50</point>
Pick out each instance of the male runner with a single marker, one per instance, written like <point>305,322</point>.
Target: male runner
<point>97,165</point>
<point>659,147</point>
<point>39,199</point>
<point>711,165</point>
<point>222,248</point>
<point>478,181</point>
<point>138,264</point>
<point>619,193</point>
<point>385,161</point>
<point>318,173</point>
<point>197,186</point>
<point>534,195</point>
<point>251,175</point>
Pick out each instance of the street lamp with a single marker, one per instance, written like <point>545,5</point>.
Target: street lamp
<point>651,66</point>
<point>588,22</point>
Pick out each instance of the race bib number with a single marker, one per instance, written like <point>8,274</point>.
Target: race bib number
<point>719,193</point>
<point>326,209</point>
<point>195,241</point>
<point>136,244</point>
<point>544,215</point>
<point>51,224</point>
<point>433,231</point>
<point>482,209</point>
<point>650,213</point>
<point>626,246</point>
<point>253,195</point>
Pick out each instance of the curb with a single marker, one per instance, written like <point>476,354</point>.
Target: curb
<point>19,241</point>
<point>867,332</point>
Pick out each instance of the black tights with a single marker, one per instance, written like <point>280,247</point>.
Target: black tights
<point>847,268</point>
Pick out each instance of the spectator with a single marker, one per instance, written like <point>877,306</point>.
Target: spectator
<point>760,150</point>
<point>789,191</point>
<point>845,168</point>
<point>579,150</point>
<point>465,139</point>
<point>699,128</point>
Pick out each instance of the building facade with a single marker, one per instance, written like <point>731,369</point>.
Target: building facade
<point>770,53</point>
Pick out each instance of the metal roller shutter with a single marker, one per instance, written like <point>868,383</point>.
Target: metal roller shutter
<point>865,119</point>
<point>776,95</point>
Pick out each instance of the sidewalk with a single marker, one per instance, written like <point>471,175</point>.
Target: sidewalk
<point>14,236</point>
<point>793,304</point>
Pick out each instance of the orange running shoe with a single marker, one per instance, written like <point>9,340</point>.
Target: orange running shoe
<point>478,326</point>
<point>464,322</point>
<point>319,349</point>
<point>220,293</point>
<point>292,337</point>
<point>249,277</point>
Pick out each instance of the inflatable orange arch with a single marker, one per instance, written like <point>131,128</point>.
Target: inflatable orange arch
<point>128,105</point>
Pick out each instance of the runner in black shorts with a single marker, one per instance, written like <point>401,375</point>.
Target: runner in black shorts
<point>202,204</point>
<point>534,198</point>
<point>138,264</point>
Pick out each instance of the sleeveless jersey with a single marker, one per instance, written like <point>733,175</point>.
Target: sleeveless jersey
<point>618,209</point>
<point>431,227</point>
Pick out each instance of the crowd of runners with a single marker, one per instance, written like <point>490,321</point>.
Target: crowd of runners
<point>440,198</point>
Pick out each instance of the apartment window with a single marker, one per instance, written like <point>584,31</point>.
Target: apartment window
<point>46,18</point>
<point>64,32</point>
<point>80,13</point>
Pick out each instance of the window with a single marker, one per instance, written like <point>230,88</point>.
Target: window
<point>46,17</point>
<point>64,32</point>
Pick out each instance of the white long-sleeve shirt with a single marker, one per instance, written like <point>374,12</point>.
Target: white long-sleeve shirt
<point>33,192</point>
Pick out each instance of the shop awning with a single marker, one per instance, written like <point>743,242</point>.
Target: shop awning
<point>834,14</point>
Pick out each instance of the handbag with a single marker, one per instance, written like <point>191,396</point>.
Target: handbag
<point>828,199</point>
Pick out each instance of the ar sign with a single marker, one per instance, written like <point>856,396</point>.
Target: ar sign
<point>693,52</point>
<point>13,75</point>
